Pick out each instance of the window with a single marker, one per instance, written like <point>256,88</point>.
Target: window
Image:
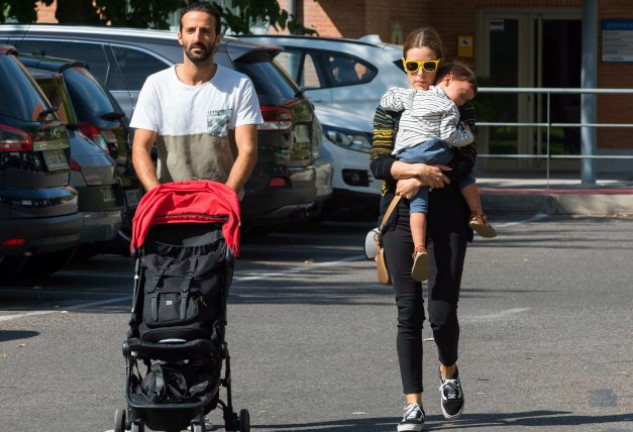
<point>89,53</point>
<point>55,90</point>
<point>303,72</point>
<point>345,70</point>
<point>87,94</point>
<point>135,66</point>
<point>309,75</point>
<point>267,77</point>
<point>21,98</point>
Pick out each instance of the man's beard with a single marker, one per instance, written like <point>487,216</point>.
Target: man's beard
<point>205,53</point>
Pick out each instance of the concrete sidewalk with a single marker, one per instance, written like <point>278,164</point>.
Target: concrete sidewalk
<point>518,195</point>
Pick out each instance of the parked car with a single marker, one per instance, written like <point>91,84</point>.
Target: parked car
<point>39,215</point>
<point>324,169</point>
<point>283,182</point>
<point>346,73</point>
<point>347,138</point>
<point>101,118</point>
<point>92,170</point>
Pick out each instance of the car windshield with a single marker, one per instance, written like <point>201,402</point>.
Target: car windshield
<point>268,77</point>
<point>26,99</point>
<point>86,92</point>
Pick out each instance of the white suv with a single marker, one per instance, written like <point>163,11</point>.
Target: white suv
<point>345,79</point>
<point>347,139</point>
<point>351,74</point>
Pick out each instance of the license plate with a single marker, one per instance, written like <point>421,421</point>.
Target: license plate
<point>133,197</point>
<point>107,194</point>
<point>55,160</point>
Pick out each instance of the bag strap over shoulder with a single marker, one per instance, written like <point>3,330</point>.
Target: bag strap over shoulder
<point>392,205</point>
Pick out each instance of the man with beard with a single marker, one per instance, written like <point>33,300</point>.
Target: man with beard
<point>203,117</point>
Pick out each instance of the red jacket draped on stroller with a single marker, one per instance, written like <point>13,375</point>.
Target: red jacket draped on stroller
<point>189,201</point>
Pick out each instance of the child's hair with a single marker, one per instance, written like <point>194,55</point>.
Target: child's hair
<point>459,71</point>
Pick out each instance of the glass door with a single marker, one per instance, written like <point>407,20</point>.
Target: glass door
<point>560,52</point>
<point>522,48</point>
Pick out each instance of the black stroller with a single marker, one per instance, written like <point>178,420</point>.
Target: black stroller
<point>185,238</point>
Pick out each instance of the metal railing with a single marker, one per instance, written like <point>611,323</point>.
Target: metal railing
<point>547,125</point>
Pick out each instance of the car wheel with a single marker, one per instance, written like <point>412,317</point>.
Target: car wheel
<point>88,250</point>
<point>121,243</point>
<point>41,265</point>
<point>10,266</point>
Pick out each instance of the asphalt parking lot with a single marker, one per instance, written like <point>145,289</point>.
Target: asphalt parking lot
<point>546,335</point>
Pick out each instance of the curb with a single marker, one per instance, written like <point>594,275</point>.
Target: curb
<point>607,202</point>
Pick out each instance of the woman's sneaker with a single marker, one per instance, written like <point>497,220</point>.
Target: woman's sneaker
<point>413,419</point>
<point>452,397</point>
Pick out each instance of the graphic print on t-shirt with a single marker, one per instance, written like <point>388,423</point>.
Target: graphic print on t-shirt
<point>218,121</point>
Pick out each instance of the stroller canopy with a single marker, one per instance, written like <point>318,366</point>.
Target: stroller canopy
<point>185,202</point>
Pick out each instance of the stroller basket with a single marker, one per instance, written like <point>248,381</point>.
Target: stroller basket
<point>182,382</point>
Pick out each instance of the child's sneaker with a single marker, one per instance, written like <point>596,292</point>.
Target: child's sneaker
<point>479,222</point>
<point>413,419</point>
<point>452,397</point>
<point>420,269</point>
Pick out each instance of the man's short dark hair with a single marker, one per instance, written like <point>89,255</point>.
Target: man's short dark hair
<point>206,7</point>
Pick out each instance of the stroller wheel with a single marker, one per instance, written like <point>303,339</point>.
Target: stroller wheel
<point>244,422</point>
<point>119,420</point>
<point>137,427</point>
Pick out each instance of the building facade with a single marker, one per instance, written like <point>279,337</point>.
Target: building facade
<point>510,43</point>
<point>513,43</point>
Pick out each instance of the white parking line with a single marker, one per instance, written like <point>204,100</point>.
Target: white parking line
<point>127,298</point>
<point>96,275</point>
<point>537,217</point>
<point>295,270</point>
<point>494,316</point>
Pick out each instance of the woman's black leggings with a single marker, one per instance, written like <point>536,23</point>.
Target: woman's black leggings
<point>446,262</point>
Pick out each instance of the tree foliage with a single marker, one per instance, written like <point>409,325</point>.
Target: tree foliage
<point>152,14</point>
<point>23,11</point>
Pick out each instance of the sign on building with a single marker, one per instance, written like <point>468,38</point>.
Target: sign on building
<point>617,40</point>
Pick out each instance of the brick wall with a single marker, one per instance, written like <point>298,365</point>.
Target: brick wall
<point>46,14</point>
<point>452,18</point>
<point>393,23</point>
<point>614,108</point>
<point>313,17</point>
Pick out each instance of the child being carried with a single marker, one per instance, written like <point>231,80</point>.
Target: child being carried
<point>428,128</point>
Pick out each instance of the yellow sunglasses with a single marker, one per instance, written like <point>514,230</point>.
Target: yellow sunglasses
<point>412,66</point>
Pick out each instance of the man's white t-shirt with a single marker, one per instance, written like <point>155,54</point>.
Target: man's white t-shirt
<point>192,122</point>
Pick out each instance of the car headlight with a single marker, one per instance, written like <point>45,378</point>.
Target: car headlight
<point>351,140</point>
